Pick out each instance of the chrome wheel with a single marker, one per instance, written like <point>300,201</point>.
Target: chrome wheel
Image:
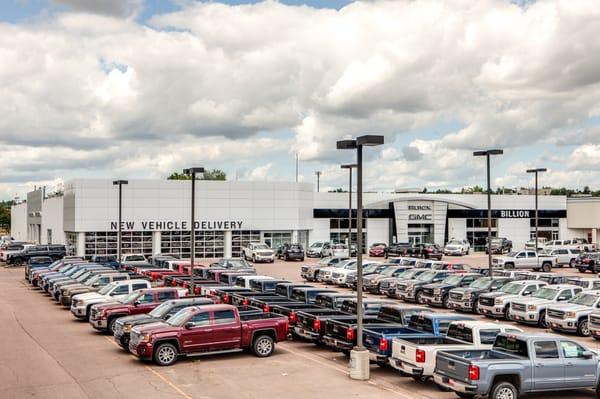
<point>584,329</point>
<point>263,346</point>
<point>505,393</point>
<point>166,355</point>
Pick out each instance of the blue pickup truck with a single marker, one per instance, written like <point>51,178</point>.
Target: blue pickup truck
<point>378,338</point>
<point>518,364</point>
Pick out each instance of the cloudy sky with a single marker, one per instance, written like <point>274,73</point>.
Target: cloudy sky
<point>141,88</point>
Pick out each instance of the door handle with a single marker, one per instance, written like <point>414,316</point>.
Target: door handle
<point>208,330</point>
<point>539,365</point>
<point>569,364</point>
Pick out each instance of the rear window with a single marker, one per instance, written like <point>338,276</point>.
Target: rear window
<point>349,307</point>
<point>512,345</point>
<point>420,322</point>
<point>224,317</point>
<point>324,301</point>
<point>281,290</point>
<point>299,295</point>
<point>459,331</point>
<point>389,313</point>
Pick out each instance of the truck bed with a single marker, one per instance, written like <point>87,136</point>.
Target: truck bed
<point>455,363</point>
<point>427,341</point>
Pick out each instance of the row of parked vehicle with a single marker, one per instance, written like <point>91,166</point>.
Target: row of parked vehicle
<point>471,357</point>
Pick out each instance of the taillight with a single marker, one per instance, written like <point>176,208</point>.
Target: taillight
<point>420,356</point>
<point>174,283</point>
<point>245,302</point>
<point>212,292</point>
<point>184,285</point>
<point>293,317</point>
<point>197,290</point>
<point>266,308</point>
<point>350,334</point>
<point>383,345</point>
<point>317,325</point>
<point>473,372</point>
<point>226,298</point>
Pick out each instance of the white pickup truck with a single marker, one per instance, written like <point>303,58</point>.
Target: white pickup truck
<point>525,260</point>
<point>416,356</point>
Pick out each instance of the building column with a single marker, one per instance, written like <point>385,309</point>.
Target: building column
<point>594,236</point>
<point>156,242</point>
<point>295,237</point>
<point>80,244</point>
<point>227,243</point>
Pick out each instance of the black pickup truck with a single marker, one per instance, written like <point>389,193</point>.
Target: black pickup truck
<point>55,252</point>
<point>340,332</point>
<point>397,249</point>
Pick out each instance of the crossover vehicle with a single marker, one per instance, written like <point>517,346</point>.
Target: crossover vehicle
<point>316,249</point>
<point>258,252</point>
<point>325,273</point>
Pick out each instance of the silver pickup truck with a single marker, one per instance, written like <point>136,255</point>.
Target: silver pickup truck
<point>572,316</point>
<point>518,364</point>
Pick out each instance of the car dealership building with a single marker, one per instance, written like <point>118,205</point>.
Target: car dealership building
<point>156,217</point>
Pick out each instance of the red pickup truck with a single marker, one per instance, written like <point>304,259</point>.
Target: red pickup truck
<point>103,316</point>
<point>208,329</point>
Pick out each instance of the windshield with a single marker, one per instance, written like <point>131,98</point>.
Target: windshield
<point>511,254</point>
<point>180,317</point>
<point>106,289</point>
<point>316,245</point>
<point>545,293</point>
<point>261,246</point>
<point>407,274</point>
<point>426,276</point>
<point>325,261</point>
<point>389,271</point>
<point>236,263</point>
<point>584,299</point>
<point>84,276</point>
<point>482,283</point>
<point>454,242</point>
<point>452,280</point>
<point>130,298</point>
<point>496,241</point>
<point>511,288</point>
<point>545,252</point>
<point>371,268</point>
<point>161,310</point>
<point>135,258</point>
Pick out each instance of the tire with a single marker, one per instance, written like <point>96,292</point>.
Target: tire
<point>111,325</point>
<point>420,379</point>
<point>382,364</point>
<point>581,270</point>
<point>504,390</point>
<point>509,266</point>
<point>302,259</point>
<point>475,307</point>
<point>546,267</point>
<point>419,296</point>
<point>124,342</point>
<point>253,259</point>
<point>445,301</point>
<point>263,346</point>
<point>583,328</point>
<point>285,257</point>
<point>507,313</point>
<point>165,354</point>
<point>542,320</point>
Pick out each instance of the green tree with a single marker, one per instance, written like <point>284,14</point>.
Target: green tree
<point>5,215</point>
<point>210,174</point>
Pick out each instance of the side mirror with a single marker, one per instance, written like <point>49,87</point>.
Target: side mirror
<point>587,354</point>
<point>561,298</point>
<point>136,303</point>
<point>189,325</point>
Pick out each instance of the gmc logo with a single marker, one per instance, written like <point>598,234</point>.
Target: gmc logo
<point>419,217</point>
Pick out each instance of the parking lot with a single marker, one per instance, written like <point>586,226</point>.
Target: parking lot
<point>46,353</point>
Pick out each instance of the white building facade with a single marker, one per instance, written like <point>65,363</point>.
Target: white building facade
<point>156,217</point>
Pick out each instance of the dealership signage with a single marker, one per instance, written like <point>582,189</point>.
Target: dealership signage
<point>158,225</point>
<point>420,213</point>
<point>515,214</point>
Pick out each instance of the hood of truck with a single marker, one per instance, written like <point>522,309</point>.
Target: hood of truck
<point>91,296</point>
<point>138,318</point>
<point>494,294</point>
<point>158,327</point>
<point>569,307</point>
<point>113,306</point>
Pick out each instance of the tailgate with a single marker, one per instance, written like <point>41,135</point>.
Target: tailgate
<point>452,366</point>
<point>337,329</point>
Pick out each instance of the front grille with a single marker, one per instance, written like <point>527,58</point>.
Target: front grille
<point>118,328</point>
<point>428,291</point>
<point>457,296</point>
<point>485,301</point>
<point>337,275</point>
<point>401,287</point>
<point>595,320</point>
<point>519,307</point>
<point>94,313</point>
<point>556,314</point>
<point>385,285</point>
<point>134,338</point>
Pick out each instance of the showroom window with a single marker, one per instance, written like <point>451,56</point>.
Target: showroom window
<point>547,228</point>
<point>105,243</point>
<point>241,238</point>
<point>341,223</point>
<point>481,223</point>
<point>71,242</point>
<point>208,243</point>
<point>275,239</point>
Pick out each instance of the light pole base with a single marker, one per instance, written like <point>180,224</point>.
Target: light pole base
<point>359,364</point>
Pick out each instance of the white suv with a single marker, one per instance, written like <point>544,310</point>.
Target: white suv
<point>258,252</point>
<point>457,247</point>
<point>81,303</point>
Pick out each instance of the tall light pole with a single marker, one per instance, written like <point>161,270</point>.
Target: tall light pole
<point>192,172</point>
<point>120,183</point>
<point>296,167</point>
<point>349,167</point>
<point>318,173</point>
<point>487,154</point>
<point>359,356</point>
<point>536,171</point>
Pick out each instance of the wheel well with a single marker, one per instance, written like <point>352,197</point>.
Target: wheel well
<point>268,333</point>
<point>580,318</point>
<point>173,342</point>
<point>513,379</point>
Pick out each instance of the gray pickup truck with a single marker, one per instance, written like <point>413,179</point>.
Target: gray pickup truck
<point>518,364</point>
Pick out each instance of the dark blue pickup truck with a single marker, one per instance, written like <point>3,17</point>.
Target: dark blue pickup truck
<point>378,338</point>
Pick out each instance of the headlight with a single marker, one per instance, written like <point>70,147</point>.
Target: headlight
<point>127,327</point>
<point>410,288</point>
<point>499,301</point>
<point>532,307</point>
<point>145,337</point>
<point>467,295</point>
<point>571,314</point>
<point>77,302</point>
<point>437,291</point>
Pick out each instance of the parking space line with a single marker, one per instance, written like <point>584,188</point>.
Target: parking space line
<point>156,373</point>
